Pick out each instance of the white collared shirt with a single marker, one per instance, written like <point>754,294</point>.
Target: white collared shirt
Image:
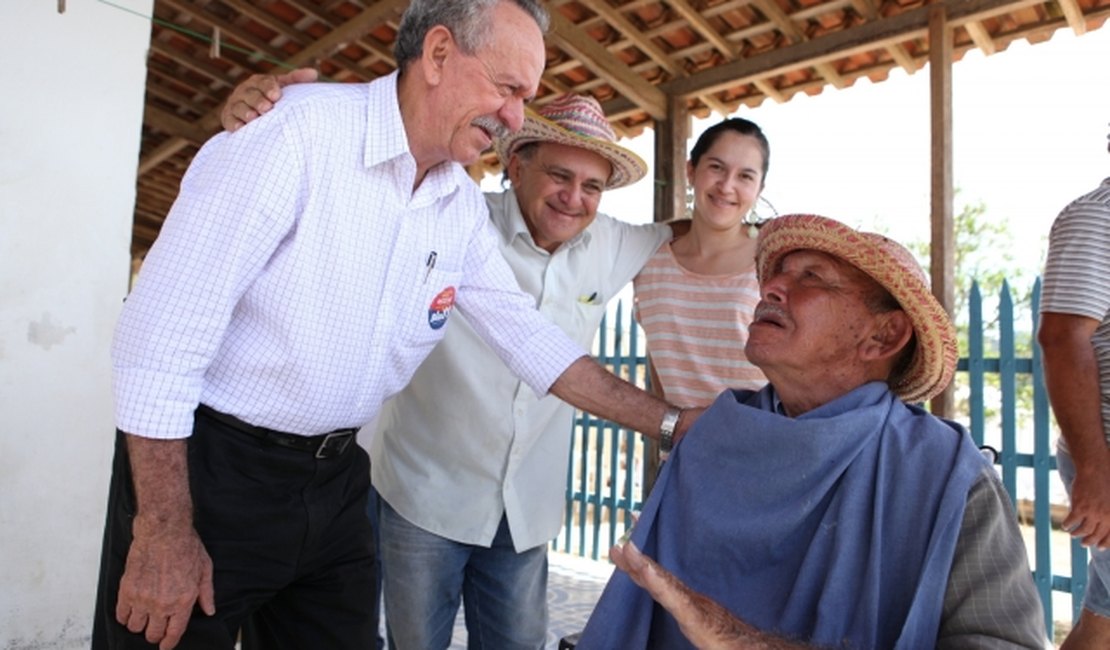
<point>465,441</point>
<point>299,279</point>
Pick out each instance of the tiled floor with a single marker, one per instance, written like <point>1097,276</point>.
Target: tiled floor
<point>573,586</point>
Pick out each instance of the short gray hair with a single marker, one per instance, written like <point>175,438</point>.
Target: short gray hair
<point>468,20</point>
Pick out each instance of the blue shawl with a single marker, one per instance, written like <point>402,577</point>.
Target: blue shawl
<point>836,528</point>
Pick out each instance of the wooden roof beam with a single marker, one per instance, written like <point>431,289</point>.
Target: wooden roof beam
<point>981,37</point>
<point>879,33</point>
<point>377,53</point>
<point>168,95</point>
<point>869,11</point>
<point>229,30</point>
<point>349,31</point>
<point>361,23</point>
<point>267,20</point>
<point>1074,15</point>
<point>241,35</point>
<point>699,24</point>
<point>310,13</point>
<point>768,89</point>
<point>285,31</point>
<point>632,32</point>
<point>786,25</point>
<point>174,125</point>
<point>207,70</point>
<point>165,151</point>
<point>580,45</point>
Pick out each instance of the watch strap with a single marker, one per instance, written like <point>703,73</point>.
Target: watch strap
<point>667,426</point>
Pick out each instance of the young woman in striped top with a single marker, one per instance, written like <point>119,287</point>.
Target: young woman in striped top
<point>696,295</point>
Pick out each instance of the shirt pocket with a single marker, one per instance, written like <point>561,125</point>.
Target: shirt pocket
<point>582,322</point>
<point>434,308</point>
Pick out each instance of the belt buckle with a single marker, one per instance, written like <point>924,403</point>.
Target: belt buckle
<point>334,444</point>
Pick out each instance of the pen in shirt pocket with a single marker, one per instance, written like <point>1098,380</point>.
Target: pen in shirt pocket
<point>429,265</point>
<point>590,299</point>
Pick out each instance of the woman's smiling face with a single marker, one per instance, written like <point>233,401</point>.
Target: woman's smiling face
<point>727,180</point>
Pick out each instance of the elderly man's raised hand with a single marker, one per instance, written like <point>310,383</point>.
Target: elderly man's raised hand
<point>255,96</point>
<point>704,622</point>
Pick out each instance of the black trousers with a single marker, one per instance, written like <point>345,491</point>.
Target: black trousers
<point>292,549</point>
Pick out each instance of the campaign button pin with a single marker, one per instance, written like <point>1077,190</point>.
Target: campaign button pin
<point>441,307</point>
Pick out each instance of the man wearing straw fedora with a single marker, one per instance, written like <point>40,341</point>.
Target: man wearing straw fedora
<point>827,510</point>
<point>471,467</point>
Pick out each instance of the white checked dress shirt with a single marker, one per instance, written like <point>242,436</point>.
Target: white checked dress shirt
<point>299,279</point>
<point>465,441</point>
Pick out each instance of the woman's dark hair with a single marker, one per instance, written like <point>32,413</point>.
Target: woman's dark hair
<point>737,125</point>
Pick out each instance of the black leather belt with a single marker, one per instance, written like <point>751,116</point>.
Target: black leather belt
<point>324,445</point>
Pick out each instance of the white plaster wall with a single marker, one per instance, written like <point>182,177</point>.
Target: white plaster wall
<point>71,106</point>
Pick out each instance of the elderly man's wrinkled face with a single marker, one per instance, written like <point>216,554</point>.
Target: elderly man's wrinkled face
<point>558,188</point>
<point>814,317</point>
<point>488,89</point>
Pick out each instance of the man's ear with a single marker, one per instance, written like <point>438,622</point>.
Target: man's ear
<point>892,332</point>
<point>513,169</point>
<point>439,43</point>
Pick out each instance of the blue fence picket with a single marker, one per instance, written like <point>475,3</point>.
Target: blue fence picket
<point>1008,385</point>
<point>1043,463</point>
<point>973,364</point>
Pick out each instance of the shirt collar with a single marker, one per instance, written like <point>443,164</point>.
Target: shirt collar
<point>387,142</point>
<point>385,131</point>
<point>865,394</point>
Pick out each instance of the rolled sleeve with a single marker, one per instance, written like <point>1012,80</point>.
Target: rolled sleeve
<point>506,318</point>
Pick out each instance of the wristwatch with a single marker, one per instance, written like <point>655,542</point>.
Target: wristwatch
<point>666,428</point>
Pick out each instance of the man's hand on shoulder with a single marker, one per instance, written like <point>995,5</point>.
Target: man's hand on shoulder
<point>680,226</point>
<point>256,96</point>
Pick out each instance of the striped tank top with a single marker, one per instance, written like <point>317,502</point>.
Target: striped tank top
<point>696,327</point>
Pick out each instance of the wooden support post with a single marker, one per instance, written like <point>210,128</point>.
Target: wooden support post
<point>671,136</point>
<point>943,248</point>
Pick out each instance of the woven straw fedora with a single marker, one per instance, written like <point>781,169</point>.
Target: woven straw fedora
<point>892,266</point>
<point>577,121</point>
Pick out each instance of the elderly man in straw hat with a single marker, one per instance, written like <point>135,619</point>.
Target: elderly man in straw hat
<point>469,464</point>
<point>826,510</point>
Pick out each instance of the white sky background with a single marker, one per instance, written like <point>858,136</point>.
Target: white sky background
<point>1029,135</point>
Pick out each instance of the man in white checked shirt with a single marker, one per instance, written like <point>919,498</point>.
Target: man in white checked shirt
<point>308,266</point>
<point>466,461</point>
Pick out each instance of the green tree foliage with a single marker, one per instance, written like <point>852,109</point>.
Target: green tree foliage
<point>985,256</point>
